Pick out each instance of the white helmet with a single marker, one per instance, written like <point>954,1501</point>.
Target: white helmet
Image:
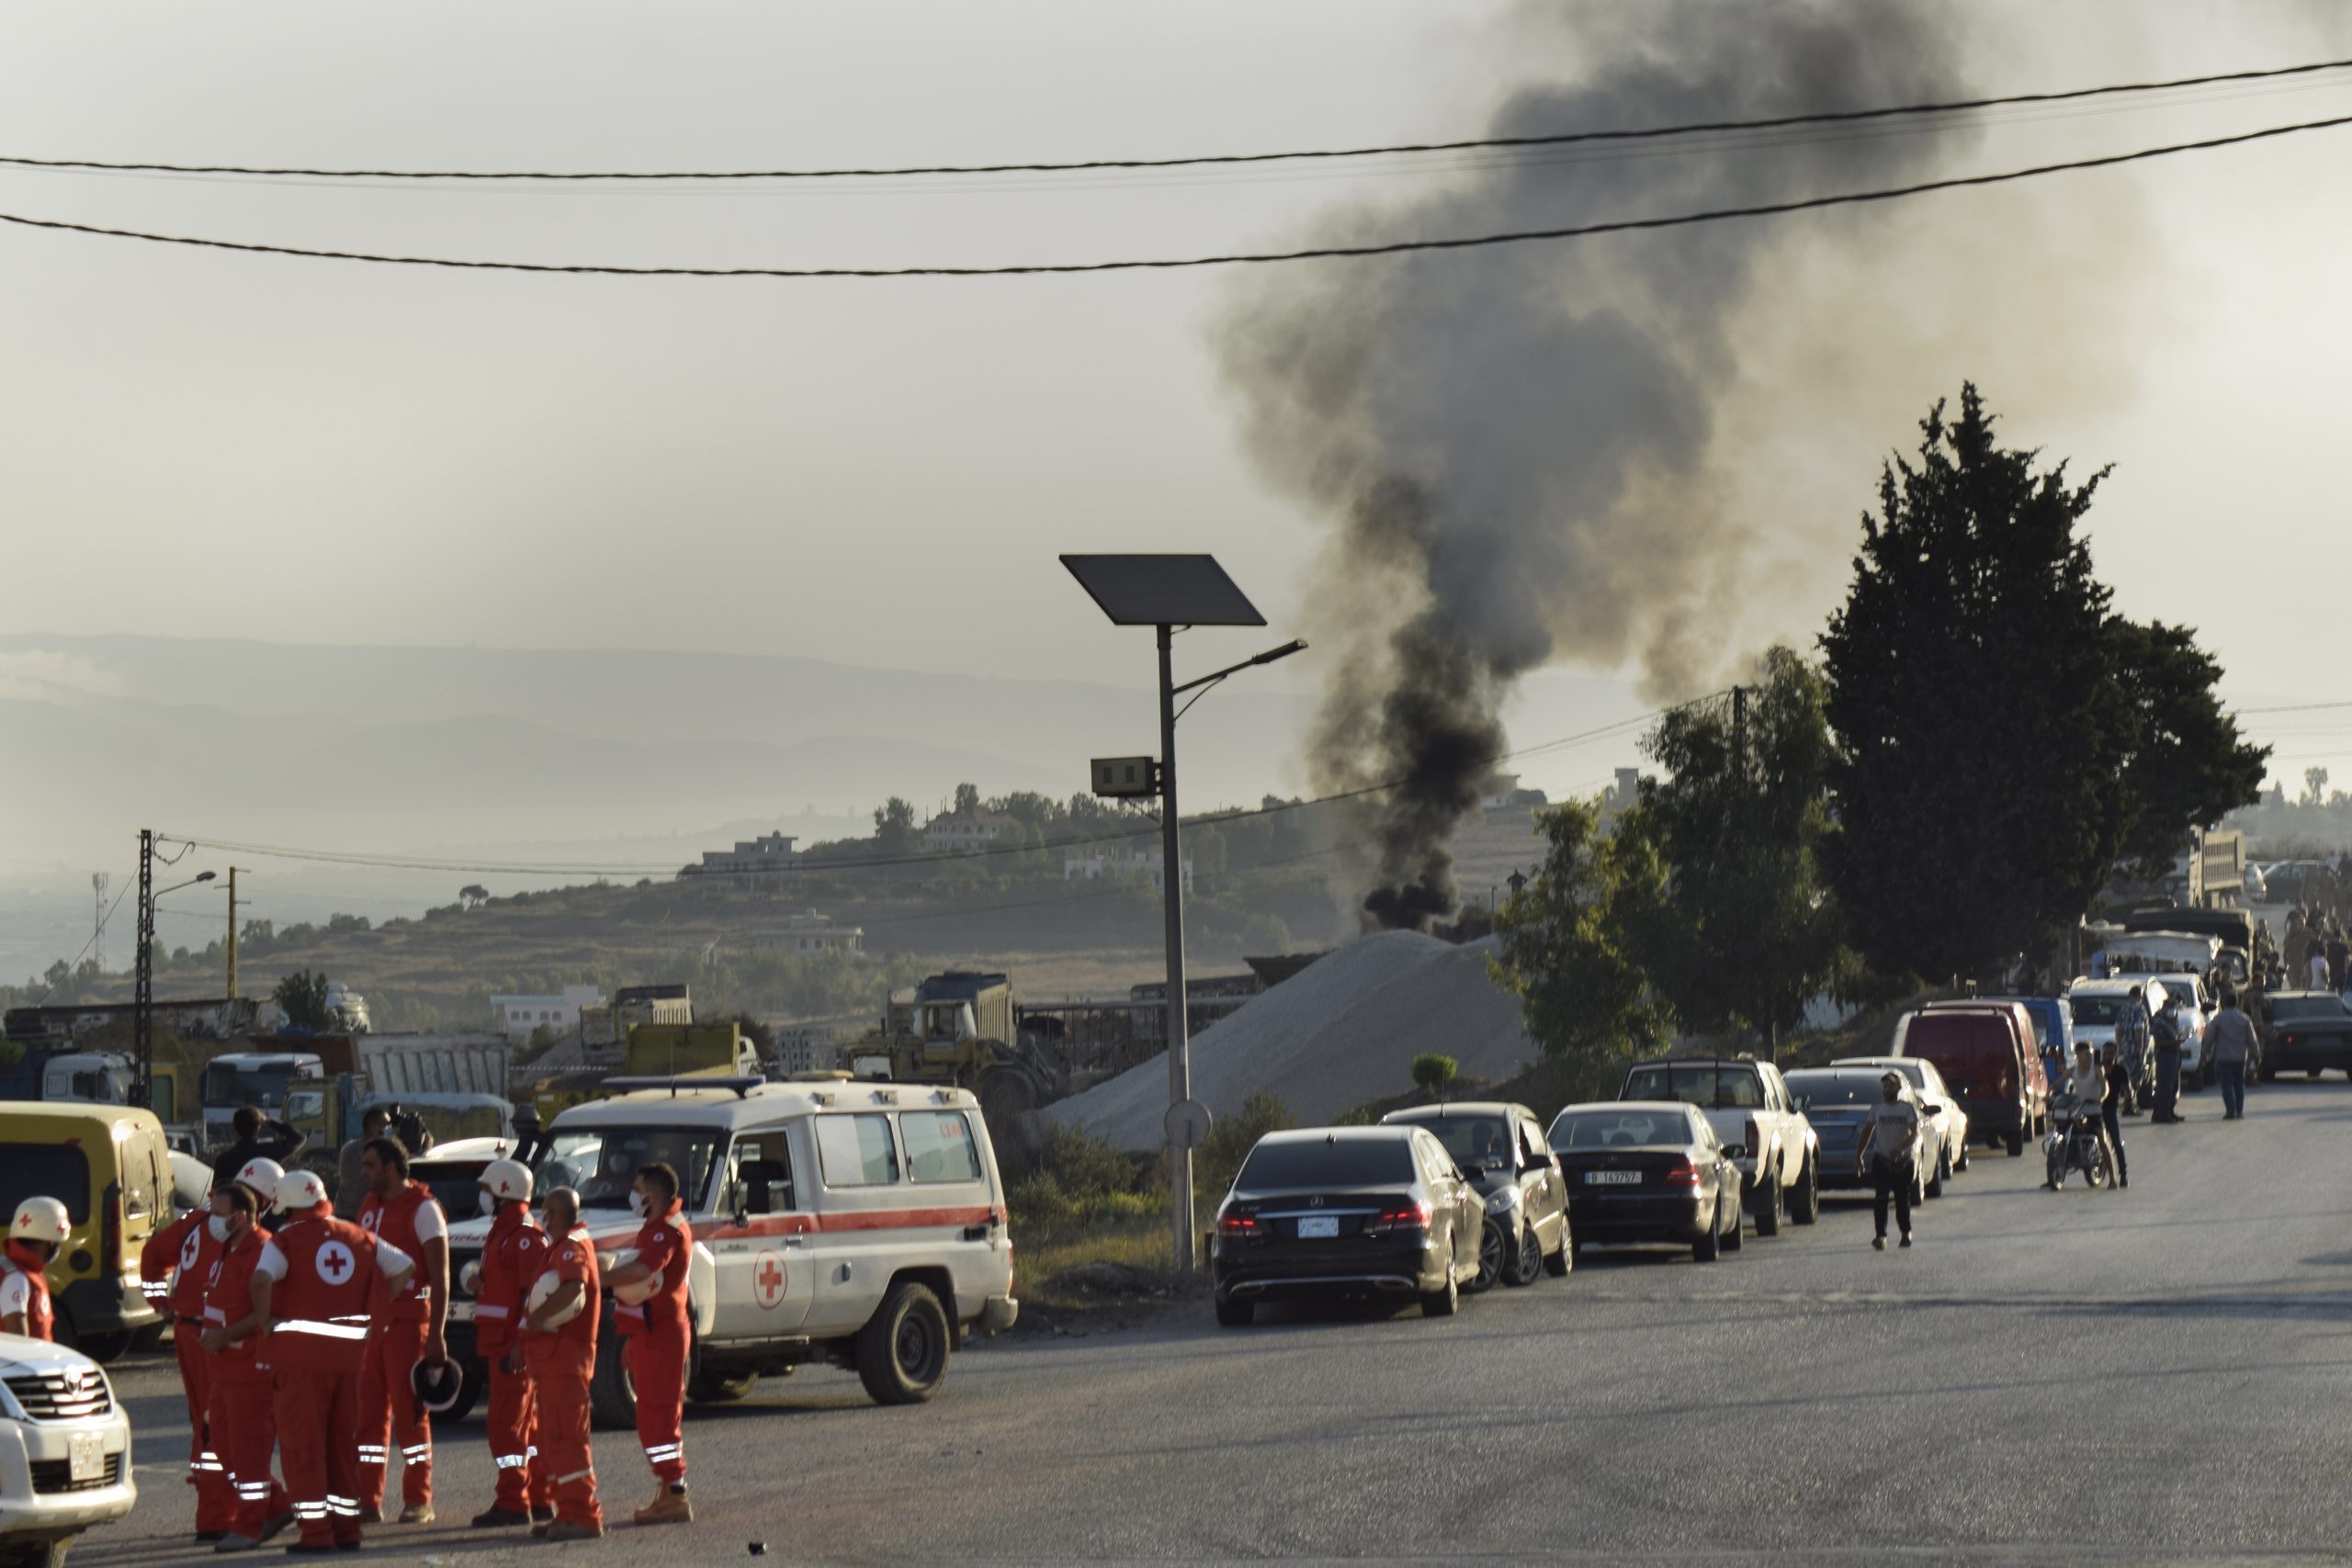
<point>544,1288</point>
<point>40,1219</point>
<point>507,1179</point>
<point>641,1292</point>
<point>300,1190</point>
<point>262,1175</point>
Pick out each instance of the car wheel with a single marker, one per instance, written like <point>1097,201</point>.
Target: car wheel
<point>1442,1304</point>
<point>2016,1143</point>
<point>612,1395</point>
<point>1962,1163</point>
<point>1492,1257</point>
<point>1557,1264</point>
<point>1711,1237</point>
<point>1943,1168</point>
<point>1767,1204</point>
<point>1236,1314</point>
<point>902,1350</point>
<point>1735,1238</point>
<point>1526,1261</point>
<point>1805,1206</point>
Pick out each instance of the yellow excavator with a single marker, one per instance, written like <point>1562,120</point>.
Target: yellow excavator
<point>961,1028</point>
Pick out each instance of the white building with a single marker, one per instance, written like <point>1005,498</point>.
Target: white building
<point>1140,867</point>
<point>962,832</point>
<point>518,1016</point>
<point>810,932</point>
<point>771,854</point>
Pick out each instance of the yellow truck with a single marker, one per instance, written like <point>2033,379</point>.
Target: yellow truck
<point>654,1050</point>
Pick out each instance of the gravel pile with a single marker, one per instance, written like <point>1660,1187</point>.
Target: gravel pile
<point>1342,1030</point>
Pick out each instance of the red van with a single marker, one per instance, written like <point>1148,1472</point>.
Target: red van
<point>1986,1053</point>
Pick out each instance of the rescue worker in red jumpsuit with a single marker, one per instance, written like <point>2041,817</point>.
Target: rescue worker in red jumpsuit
<point>172,1267</point>
<point>313,1284</point>
<point>407,1328</point>
<point>649,1293</point>
<point>34,1236</point>
<point>241,1415</point>
<point>510,1265</point>
<point>558,1345</point>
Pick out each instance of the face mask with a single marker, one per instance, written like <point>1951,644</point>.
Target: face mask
<point>218,1225</point>
<point>637,1205</point>
<point>489,1205</point>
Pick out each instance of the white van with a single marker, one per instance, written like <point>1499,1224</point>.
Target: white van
<point>862,1223</point>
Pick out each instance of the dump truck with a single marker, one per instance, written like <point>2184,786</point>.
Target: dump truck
<point>654,1050</point>
<point>962,1028</point>
<point>323,1085</point>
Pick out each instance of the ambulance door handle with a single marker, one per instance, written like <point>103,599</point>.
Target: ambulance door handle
<point>977,1233</point>
<point>795,1241</point>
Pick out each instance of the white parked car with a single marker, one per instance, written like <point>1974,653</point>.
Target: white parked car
<point>859,1223</point>
<point>64,1450</point>
<point>1928,1088</point>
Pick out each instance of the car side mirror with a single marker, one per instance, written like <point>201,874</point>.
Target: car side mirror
<point>1932,1109</point>
<point>1734,1151</point>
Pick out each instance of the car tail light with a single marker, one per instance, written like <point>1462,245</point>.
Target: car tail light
<point>2286,1039</point>
<point>1237,1224</point>
<point>1400,1217</point>
<point>110,1238</point>
<point>1682,1173</point>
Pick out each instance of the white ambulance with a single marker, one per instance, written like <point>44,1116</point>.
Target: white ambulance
<point>859,1222</point>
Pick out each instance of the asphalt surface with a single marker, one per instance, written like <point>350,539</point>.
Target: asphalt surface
<point>2154,1375</point>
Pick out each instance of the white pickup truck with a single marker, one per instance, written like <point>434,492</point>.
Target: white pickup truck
<point>1747,1103</point>
<point>858,1224</point>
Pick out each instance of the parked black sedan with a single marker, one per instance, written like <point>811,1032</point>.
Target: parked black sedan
<point>2309,1032</point>
<point>1501,1148</point>
<point>1346,1211</point>
<point>1644,1170</point>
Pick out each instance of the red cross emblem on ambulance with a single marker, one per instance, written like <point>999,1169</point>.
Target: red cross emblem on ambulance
<point>768,1280</point>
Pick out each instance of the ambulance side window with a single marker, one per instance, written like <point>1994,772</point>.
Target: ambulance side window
<point>857,1151</point>
<point>761,1157</point>
<point>939,1146</point>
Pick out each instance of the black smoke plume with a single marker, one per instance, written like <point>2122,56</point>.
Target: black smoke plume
<point>1507,442</point>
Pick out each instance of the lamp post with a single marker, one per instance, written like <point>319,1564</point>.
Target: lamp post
<point>1171,593</point>
<point>142,1011</point>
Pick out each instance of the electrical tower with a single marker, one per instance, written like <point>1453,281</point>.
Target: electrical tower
<point>98,918</point>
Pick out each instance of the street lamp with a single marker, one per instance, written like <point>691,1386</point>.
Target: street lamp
<point>1168,593</point>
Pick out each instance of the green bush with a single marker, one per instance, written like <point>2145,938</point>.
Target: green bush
<point>1433,1072</point>
<point>1217,1161</point>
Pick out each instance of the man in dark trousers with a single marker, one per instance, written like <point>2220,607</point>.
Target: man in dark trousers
<point>1888,1142</point>
<point>2110,1106</point>
<point>2167,1031</point>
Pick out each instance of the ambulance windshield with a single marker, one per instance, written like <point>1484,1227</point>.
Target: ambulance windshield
<point>602,1163</point>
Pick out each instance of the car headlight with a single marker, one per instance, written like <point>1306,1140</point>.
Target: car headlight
<point>1509,1197</point>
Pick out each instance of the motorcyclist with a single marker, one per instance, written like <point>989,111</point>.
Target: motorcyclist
<point>2087,1095</point>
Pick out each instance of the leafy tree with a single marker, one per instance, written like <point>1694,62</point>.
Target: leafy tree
<point>2314,785</point>
<point>968,800</point>
<point>473,895</point>
<point>2188,766</point>
<point>894,827</point>
<point>1567,938</point>
<point>303,996</point>
<point>1747,933</point>
<point>1978,782</point>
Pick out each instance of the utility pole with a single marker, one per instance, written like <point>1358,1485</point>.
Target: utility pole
<point>1180,1059</point>
<point>142,994</point>
<point>1739,729</point>
<point>233,933</point>
<point>98,880</point>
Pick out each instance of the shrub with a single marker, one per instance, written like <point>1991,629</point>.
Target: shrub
<point>1433,1072</point>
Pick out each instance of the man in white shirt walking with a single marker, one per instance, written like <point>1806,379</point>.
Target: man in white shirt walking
<point>1889,1141</point>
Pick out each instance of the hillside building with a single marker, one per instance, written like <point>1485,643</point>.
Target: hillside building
<point>519,1016</point>
<point>960,832</point>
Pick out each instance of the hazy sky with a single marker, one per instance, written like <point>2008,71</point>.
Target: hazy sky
<point>881,472</point>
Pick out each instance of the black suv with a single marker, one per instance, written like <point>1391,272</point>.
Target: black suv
<point>1502,1149</point>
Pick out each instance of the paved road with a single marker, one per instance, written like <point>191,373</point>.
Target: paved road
<point>2159,1375</point>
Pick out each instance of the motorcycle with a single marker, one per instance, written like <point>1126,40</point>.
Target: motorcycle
<point>2078,1142</point>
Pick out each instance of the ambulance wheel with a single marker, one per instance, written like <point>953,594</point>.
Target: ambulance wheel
<point>719,1388</point>
<point>36,1553</point>
<point>472,1375</point>
<point>902,1350</point>
<point>612,1396</point>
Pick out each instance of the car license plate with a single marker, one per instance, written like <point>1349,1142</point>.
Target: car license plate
<point>1612,1178</point>
<point>85,1457</point>
<point>1318,1228</point>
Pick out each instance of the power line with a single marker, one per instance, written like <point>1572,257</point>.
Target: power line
<point>1237,258</point>
<point>85,946</point>
<point>1485,144</point>
<point>821,867</point>
<point>2291,708</point>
